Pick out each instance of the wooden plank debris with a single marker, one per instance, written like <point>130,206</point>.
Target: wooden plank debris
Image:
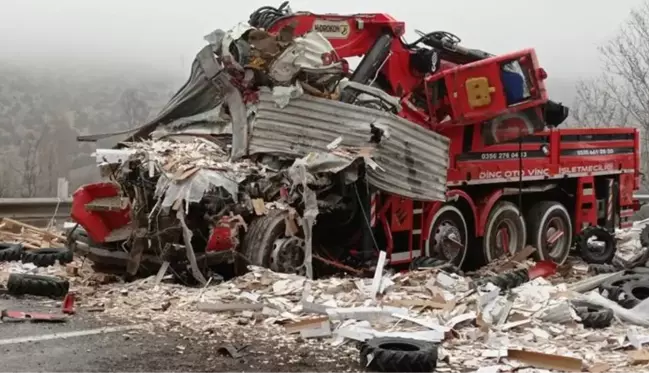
<point>30,236</point>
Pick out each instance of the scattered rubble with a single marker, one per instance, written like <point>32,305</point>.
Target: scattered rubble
<point>541,323</point>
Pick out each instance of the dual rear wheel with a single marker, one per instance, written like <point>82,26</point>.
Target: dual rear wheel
<point>546,226</point>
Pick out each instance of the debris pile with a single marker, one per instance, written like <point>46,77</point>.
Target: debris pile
<point>472,326</point>
<point>564,321</point>
<point>31,237</point>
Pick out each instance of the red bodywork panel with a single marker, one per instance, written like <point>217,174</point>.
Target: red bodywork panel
<point>98,224</point>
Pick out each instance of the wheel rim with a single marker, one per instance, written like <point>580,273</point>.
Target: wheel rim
<point>448,240</point>
<point>506,238</point>
<point>555,236</point>
<point>287,255</point>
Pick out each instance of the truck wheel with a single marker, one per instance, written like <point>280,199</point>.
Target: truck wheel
<point>447,236</point>
<point>266,245</point>
<point>550,231</point>
<point>505,232</point>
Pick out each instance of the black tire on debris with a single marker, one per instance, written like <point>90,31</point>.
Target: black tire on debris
<point>613,287</point>
<point>423,262</point>
<point>398,355</point>
<point>508,280</point>
<point>46,286</point>
<point>644,236</point>
<point>597,269</point>
<point>48,257</point>
<point>636,291</point>
<point>11,252</point>
<point>595,318</point>
<point>596,256</point>
<point>540,218</point>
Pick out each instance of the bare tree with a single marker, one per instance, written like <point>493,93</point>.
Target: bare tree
<point>134,109</point>
<point>620,96</point>
<point>48,160</point>
<point>595,106</point>
<point>6,182</point>
<point>29,171</point>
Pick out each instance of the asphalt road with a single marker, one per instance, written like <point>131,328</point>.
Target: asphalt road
<point>30,346</point>
<point>87,343</point>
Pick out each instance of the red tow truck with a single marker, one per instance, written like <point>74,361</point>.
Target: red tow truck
<point>513,177</point>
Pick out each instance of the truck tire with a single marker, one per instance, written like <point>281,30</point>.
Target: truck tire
<point>644,236</point>
<point>636,291</point>
<point>11,252</point>
<point>612,289</point>
<point>544,220</point>
<point>423,262</point>
<point>45,286</point>
<point>508,280</point>
<point>504,217</point>
<point>47,257</point>
<point>387,354</point>
<point>595,318</point>
<point>447,222</point>
<point>260,243</point>
<point>594,255</point>
<point>598,269</point>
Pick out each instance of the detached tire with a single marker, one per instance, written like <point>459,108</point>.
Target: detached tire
<point>509,280</point>
<point>613,287</point>
<point>596,255</point>
<point>544,220</point>
<point>46,286</point>
<point>598,269</point>
<point>423,262</point>
<point>595,318</point>
<point>506,216</point>
<point>11,252</point>
<point>636,291</point>
<point>48,257</point>
<point>644,236</point>
<point>398,355</point>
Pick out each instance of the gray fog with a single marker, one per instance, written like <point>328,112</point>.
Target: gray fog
<point>165,35</point>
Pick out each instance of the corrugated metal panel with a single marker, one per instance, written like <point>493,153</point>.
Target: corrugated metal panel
<point>414,159</point>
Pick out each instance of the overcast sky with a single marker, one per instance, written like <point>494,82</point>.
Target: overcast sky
<point>167,34</point>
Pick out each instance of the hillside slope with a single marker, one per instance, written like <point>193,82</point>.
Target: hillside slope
<point>43,110</point>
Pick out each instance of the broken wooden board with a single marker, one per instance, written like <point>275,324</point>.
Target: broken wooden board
<point>30,236</point>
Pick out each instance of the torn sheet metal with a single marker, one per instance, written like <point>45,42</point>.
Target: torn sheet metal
<point>192,189</point>
<point>412,160</point>
<point>207,87</point>
<point>211,122</point>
